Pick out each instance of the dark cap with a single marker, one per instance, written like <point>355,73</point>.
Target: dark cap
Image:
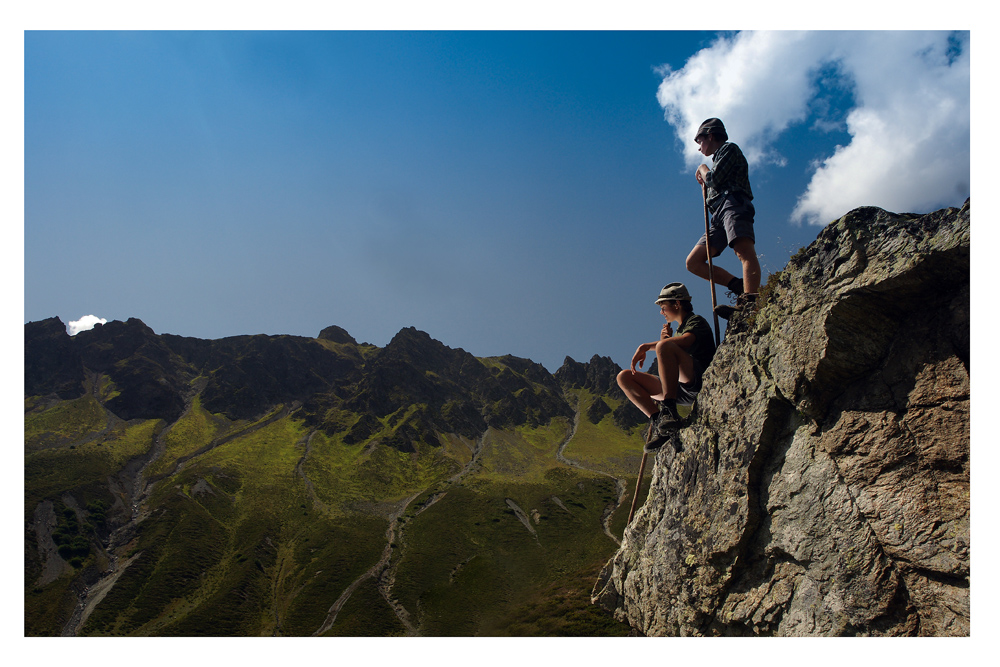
<point>712,126</point>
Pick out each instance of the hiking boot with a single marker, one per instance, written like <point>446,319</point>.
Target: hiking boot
<point>655,445</point>
<point>662,425</point>
<point>725,312</point>
<point>743,302</point>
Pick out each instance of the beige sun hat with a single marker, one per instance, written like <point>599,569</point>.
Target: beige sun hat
<point>673,292</point>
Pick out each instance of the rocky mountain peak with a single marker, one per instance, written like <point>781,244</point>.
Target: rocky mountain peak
<point>599,375</point>
<point>337,335</point>
<point>52,364</point>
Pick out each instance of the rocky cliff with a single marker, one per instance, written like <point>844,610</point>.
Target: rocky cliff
<point>822,487</point>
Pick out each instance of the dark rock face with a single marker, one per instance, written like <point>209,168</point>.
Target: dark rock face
<point>337,335</point>
<point>251,374</point>
<point>597,410</point>
<point>600,376</point>
<point>457,392</point>
<point>151,381</point>
<point>52,364</point>
<point>823,488</point>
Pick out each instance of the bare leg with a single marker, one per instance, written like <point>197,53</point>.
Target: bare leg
<point>644,389</point>
<point>747,252</point>
<point>640,389</point>
<point>673,364</point>
<point>697,263</point>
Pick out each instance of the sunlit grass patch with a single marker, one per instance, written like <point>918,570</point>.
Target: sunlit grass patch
<point>49,473</point>
<point>265,461</point>
<point>370,472</point>
<point>468,559</point>
<point>64,423</point>
<point>193,430</point>
<point>525,453</point>
<point>604,446</point>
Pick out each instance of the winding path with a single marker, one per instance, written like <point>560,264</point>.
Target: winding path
<point>384,571</point>
<point>375,570</point>
<point>620,485</point>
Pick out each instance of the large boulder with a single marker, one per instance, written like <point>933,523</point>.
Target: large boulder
<point>823,486</point>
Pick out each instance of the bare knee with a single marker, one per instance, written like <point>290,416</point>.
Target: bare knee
<point>665,346</point>
<point>745,250</point>
<point>624,379</point>
<point>696,259</point>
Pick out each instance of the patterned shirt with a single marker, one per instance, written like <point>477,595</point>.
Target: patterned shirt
<point>730,174</point>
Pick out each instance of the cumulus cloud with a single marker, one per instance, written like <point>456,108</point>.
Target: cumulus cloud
<point>85,323</point>
<point>909,125</point>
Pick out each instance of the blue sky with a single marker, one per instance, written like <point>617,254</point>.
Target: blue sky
<point>510,192</point>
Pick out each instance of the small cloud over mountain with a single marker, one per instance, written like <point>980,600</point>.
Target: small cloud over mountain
<point>85,323</point>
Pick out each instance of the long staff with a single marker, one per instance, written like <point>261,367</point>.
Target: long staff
<point>711,269</point>
<point>638,483</point>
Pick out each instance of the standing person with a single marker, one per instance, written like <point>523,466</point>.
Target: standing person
<point>681,359</point>
<point>729,199</point>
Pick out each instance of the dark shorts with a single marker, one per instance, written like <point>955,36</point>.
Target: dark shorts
<point>688,391</point>
<point>732,220</point>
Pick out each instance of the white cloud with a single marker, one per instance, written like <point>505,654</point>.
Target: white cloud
<point>909,128</point>
<point>85,323</point>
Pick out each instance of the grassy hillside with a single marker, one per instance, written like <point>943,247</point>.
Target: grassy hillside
<point>274,526</point>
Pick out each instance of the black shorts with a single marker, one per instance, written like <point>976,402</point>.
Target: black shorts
<point>733,219</point>
<point>688,391</point>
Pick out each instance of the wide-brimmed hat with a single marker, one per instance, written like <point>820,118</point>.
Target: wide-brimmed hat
<point>712,126</point>
<point>673,292</point>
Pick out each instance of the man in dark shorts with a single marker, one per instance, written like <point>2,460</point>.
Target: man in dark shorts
<point>681,359</point>
<point>730,200</point>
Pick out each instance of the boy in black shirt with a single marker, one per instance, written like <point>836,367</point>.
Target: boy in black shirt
<point>681,359</point>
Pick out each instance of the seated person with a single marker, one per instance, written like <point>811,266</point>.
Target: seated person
<point>681,359</point>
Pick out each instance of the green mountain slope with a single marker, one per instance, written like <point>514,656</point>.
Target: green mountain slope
<point>280,485</point>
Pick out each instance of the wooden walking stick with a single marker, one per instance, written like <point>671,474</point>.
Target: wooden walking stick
<point>638,483</point>
<point>711,269</point>
<point>642,469</point>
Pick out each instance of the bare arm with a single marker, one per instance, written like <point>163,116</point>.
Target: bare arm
<point>684,341</point>
<point>639,358</point>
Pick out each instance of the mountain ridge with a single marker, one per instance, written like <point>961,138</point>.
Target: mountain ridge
<point>267,445</point>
